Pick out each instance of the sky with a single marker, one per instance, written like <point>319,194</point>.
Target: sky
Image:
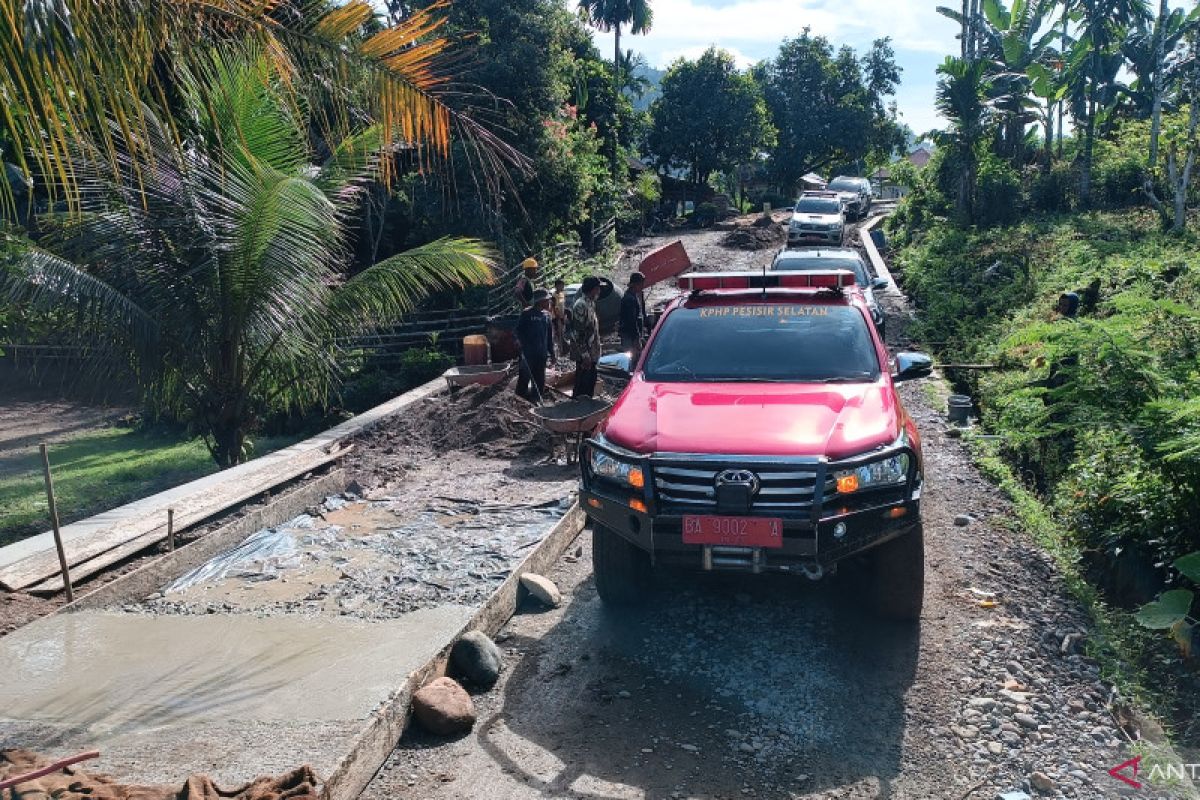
<point>753,29</point>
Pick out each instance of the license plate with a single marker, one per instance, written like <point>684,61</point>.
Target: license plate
<point>733,531</point>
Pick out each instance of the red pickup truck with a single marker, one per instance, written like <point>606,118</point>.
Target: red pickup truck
<point>761,431</point>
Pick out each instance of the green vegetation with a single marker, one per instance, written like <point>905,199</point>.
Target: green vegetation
<point>1095,412</point>
<point>233,315</point>
<point>96,471</point>
<point>711,117</point>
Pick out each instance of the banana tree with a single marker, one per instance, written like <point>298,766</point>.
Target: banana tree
<point>211,255</point>
<point>1013,41</point>
<point>1095,63</point>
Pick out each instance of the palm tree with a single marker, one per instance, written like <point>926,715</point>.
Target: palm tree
<point>610,15</point>
<point>633,83</point>
<point>1095,63</point>
<point>961,93</point>
<point>72,67</point>
<point>1014,40</point>
<point>210,255</point>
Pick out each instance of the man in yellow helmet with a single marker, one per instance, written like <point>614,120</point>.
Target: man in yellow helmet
<point>523,291</point>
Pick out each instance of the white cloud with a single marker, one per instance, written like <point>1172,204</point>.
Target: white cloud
<point>753,29</point>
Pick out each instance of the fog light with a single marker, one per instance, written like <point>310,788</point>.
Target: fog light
<point>593,502</point>
<point>637,478</point>
<point>896,513</point>
<point>839,530</point>
<point>638,505</point>
<point>847,483</point>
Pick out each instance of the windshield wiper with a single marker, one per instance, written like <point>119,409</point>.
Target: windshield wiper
<point>861,377</point>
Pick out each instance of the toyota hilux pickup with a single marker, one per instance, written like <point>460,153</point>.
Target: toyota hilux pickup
<point>761,431</point>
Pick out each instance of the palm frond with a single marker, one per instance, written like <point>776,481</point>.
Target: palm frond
<point>41,280</point>
<point>392,288</point>
<point>73,65</point>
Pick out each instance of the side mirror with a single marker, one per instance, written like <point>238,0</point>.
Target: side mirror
<point>880,283</point>
<point>910,366</point>
<point>619,364</point>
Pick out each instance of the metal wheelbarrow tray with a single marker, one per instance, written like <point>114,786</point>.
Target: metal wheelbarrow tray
<point>572,416</point>
<point>572,420</point>
<point>481,375</point>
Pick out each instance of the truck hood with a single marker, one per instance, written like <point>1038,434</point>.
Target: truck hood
<point>833,420</point>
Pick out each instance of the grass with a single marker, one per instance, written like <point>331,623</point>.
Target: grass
<point>97,471</point>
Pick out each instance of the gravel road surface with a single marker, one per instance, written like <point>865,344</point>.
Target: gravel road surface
<point>739,686</point>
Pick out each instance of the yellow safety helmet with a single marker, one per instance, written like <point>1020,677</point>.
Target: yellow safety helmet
<point>529,264</point>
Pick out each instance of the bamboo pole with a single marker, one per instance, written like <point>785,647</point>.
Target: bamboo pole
<point>58,542</point>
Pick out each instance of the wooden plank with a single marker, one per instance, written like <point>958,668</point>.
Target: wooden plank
<point>189,510</point>
<point>173,564</point>
<point>156,573</point>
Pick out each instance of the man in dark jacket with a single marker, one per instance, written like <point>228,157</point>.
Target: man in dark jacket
<point>535,335</point>
<point>632,324</point>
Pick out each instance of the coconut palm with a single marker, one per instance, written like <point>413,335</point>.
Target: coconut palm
<point>210,255</point>
<point>610,15</point>
<point>71,67</point>
<point>961,98</point>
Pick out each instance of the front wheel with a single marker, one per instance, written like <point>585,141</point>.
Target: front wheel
<point>897,575</point>
<point>622,570</point>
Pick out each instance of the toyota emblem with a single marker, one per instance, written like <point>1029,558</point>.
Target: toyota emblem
<point>738,477</point>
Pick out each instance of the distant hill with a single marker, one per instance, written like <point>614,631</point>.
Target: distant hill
<point>655,77</point>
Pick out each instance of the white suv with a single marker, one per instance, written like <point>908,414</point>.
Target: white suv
<point>817,220</point>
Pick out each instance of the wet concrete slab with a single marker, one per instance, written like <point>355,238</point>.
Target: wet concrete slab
<point>234,696</point>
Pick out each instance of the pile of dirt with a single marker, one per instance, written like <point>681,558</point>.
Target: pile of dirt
<point>487,420</point>
<point>761,234</point>
<point>70,783</point>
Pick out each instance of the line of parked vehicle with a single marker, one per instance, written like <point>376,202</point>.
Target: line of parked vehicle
<point>817,233</point>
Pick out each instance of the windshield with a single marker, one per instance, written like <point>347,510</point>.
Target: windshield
<point>772,342</point>
<point>844,185</point>
<point>809,263</point>
<point>818,205</point>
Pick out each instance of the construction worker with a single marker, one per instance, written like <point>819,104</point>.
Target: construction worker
<point>535,335</point>
<point>583,336</point>
<point>632,323</point>
<point>523,291</point>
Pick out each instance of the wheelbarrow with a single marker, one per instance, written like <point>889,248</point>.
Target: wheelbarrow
<point>480,375</point>
<point>572,420</point>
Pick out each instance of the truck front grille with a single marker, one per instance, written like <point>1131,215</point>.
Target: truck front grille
<point>785,490</point>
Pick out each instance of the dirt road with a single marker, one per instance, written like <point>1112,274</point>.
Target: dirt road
<point>736,686</point>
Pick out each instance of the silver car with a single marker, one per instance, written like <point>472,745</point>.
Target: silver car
<point>817,220</point>
<point>856,193</point>
<point>837,258</point>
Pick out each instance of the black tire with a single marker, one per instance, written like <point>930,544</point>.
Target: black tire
<point>897,576</point>
<point>622,570</point>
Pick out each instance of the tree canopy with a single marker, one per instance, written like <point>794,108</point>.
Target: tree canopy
<point>710,117</point>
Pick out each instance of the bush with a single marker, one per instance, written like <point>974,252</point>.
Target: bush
<point>1055,190</point>
<point>376,383</point>
<point>998,198</point>
<point>705,215</point>
<point>1117,181</point>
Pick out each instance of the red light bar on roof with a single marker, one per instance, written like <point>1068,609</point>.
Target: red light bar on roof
<point>815,279</point>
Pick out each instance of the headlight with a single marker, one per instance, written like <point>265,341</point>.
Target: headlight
<point>888,472</point>
<point>605,466</point>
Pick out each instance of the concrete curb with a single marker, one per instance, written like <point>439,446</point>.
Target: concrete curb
<point>149,578</point>
<point>381,733</point>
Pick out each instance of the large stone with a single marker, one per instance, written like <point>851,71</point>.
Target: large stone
<point>476,658</point>
<point>1042,782</point>
<point>542,588</point>
<point>444,708</point>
